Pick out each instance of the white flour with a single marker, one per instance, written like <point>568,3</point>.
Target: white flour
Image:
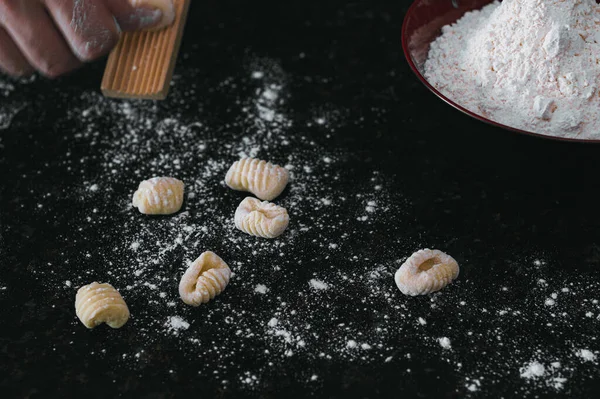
<point>550,376</point>
<point>176,323</point>
<point>529,64</point>
<point>445,342</point>
<point>587,355</point>
<point>318,285</point>
<point>533,370</point>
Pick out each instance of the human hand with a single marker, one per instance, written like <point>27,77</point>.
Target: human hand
<point>56,36</point>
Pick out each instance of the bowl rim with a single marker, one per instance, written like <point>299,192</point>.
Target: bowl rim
<point>407,55</point>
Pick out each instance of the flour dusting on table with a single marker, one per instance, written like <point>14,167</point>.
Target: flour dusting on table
<point>289,300</point>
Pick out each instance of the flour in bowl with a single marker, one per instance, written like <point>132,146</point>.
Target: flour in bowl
<point>529,64</point>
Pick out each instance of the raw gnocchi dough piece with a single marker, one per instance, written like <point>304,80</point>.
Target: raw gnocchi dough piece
<point>166,6</point>
<point>159,196</point>
<point>206,278</point>
<point>261,178</point>
<point>426,271</point>
<point>101,303</point>
<point>261,219</point>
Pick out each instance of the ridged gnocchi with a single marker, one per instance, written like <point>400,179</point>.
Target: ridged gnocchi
<point>159,196</point>
<point>426,271</point>
<point>97,303</point>
<point>261,219</point>
<point>260,178</point>
<point>206,278</point>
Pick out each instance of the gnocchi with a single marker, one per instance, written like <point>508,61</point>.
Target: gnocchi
<point>97,303</point>
<point>159,196</point>
<point>261,219</point>
<point>426,271</point>
<point>261,178</point>
<point>206,278</point>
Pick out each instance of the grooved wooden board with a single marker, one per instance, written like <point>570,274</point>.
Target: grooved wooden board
<point>141,65</point>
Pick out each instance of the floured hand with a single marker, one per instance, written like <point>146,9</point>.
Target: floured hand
<point>55,37</point>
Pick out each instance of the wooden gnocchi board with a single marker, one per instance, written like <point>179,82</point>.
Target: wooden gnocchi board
<point>141,65</point>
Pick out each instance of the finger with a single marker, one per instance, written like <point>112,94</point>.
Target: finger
<point>141,14</point>
<point>12,61</point>
<point>89,28</point>
<point>38,39</point>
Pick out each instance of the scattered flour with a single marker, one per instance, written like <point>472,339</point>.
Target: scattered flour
<point>533,370</point>
<point>364,321</point>
<point>549,376</point>
<point>444,342</point>
<point>473,385</point>
<point>261,289</point>
<point>8,113</point>
<point>351,344</point>
<point>586,355</point>
<point>317,284</point>
<point>175,324</point>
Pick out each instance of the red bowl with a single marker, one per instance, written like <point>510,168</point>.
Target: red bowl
<point>422,25</point>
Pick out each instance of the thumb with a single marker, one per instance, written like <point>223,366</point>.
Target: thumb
<point>132,15</point>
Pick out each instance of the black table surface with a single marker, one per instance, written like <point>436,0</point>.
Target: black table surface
<point>380,168</point>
